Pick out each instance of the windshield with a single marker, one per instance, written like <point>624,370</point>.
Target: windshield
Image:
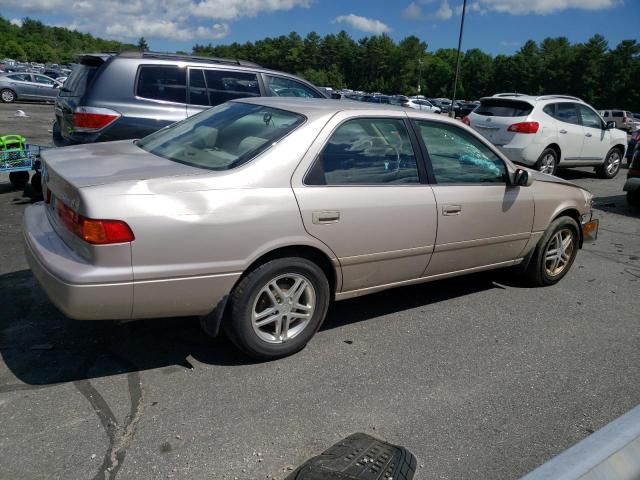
<point>222,137</point>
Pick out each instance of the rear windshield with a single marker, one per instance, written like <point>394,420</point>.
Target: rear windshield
<point>222,137</point>
<point>80,78</point>
<point>503,108</point>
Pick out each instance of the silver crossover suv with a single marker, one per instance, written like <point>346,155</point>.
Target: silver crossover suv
<point>257,213</point>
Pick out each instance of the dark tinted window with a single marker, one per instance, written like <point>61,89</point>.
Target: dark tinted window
<point>366,151</point>
<point>567,112</point>
<point>550,109</point>
<point>166,82</point>
<point>286,87</point>
<point>589,117</point>
<point>80,78</point>
<point>224,85</point>
<point>616,114</point>
<point>458,157</point>
<point>197,88</point>
<point>503,108</point>
<point>43,79</point>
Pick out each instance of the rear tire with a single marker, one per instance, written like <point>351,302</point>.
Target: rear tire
<point>611,165</point>
<point>555,252</point>
<point>547,161</point>
<point>36,182</point>
<point>7,95</point>
<point>19,180</point>
<point>277,308</point>
<point>633,198</point>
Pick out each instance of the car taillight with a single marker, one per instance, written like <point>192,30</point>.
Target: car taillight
<point>466,120</point>
<point>524,127</point>
<point>91,119</point>
<point>97,232</point>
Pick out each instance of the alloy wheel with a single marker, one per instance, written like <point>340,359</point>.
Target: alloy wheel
<point>613,163</point>
<point>7,96</point>
<point>559,252</point>
<point>283,308</point>
<point>548,164</point>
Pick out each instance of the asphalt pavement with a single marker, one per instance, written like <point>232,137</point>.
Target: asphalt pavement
<point>481,377</point>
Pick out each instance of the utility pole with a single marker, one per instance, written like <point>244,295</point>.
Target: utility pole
<point>452,112</point>
<point>419,74</point>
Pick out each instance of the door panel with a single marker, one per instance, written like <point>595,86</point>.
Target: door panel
<point>597,138</point>
<point>383,235</point>
<point>493,225</point>
<point>570,131</point>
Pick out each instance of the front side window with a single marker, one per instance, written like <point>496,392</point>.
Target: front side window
<point>286,87</point>
<point>225,85</point>
<point>366,151</point>
<point>589,117</point>
<point>162,82</point>
<point>458,157</point>
<point>223,137</point>
<point>567,112</point>
<point>44,80</point>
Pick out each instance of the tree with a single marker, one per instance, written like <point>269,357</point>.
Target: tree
<point>143,46</point>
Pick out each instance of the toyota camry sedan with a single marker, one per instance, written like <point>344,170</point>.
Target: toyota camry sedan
<point>256,214</point>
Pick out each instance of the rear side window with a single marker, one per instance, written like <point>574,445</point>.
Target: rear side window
<point>567,112</point>
<point>366,151</point>
<point>162,82</point>
<point>80,78</point>
<point>20,77</point>
<point>286,87</point>
<point>503,108</point>
<point>225,85</point>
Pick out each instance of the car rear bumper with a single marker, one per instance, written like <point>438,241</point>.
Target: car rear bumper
<point>55,267</point>
<point>632,185</point>
<point>53,262</point>
<point>524,156</point>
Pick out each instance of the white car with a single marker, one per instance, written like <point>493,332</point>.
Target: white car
<point>550,132</point>
<point>421,104</point>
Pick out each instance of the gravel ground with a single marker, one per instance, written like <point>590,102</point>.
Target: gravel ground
<point>480,377</point>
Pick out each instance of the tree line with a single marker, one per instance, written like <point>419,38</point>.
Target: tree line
<point>35,42</point>
<point>604,76</point>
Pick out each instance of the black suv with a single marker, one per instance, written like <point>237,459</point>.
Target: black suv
<point>129,95</point>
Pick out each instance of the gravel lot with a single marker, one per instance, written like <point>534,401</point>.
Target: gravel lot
<point>480,377</point>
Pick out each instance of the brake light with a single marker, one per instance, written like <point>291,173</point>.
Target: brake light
<point>97,232</point>
<point>91,119</point>
<point>466,120</point>
<point>524,127</point>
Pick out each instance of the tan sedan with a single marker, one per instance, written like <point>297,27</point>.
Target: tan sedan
<point>257,213</point>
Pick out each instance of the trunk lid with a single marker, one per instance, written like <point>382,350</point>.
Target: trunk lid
<point>494,116</point>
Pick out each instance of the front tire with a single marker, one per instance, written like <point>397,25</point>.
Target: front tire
<point>547,161</point>
<point>7,96</point>
<point>555,253</point>
<point>277,308</point>
<point>611,165</point>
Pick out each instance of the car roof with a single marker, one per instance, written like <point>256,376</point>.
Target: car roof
<point>533,99</point>
<point>319,107</point>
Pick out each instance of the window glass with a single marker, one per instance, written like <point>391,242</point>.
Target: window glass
<point>366,151</point>
<point>502,108</point>
<point>589,117</point>
<point>616,114</point>
<point>550,109</point>
<point>458,157</point>
<point>567,112</point>
<point>165,82</point>
<point>223,137</point>
<point>197,88</point>
<point>225,85</point>
<point>20,77</point>
<point>44,80</point>
<point>80,78</point>
<point>286,87</point>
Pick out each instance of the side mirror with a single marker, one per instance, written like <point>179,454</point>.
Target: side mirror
<point>522,178</point>
<point>611,125</point>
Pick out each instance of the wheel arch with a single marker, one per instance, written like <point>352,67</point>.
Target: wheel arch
<point>556,148</point>
<point>575,215</point>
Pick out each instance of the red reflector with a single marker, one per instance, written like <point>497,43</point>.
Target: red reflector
<point>524,127</point>
<point>466,120</point>
<point>92,121</point>
<point>97,232</point>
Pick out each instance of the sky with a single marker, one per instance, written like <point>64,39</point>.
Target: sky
<point>495,26</point>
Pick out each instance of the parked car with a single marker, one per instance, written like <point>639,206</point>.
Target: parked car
<point>418,104</point>
<point>632,185</point>
<point>633,141</point>
<point>444,104</point>
<point>27,86</point>
<point>622,118</point>
<point>463,109</point>
<point>133,94</point>
<point>550,132</point>
<point>246,214</point>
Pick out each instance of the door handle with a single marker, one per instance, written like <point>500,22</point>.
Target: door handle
<point>588,135</point>
<point>563,131</point>
<point>330,216</point>
<point>451,209</point>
